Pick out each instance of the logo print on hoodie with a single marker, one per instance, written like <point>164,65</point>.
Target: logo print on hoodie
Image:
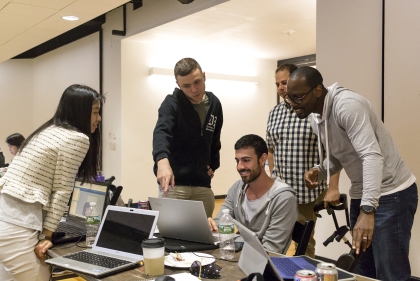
<point>212,123</point>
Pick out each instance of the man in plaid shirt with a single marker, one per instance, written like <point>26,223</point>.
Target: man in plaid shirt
<point>292,150</point>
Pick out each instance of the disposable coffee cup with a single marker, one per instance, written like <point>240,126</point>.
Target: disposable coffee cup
<point>154,256</point>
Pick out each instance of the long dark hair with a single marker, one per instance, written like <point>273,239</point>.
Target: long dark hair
<point>74,113</point>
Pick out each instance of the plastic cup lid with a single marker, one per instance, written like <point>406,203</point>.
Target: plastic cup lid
<point>153,243</point>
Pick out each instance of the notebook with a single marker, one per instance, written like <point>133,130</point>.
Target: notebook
<point>73,228</point>
<point>254,258</point>
<point>183,224</point>
<point>117,246</point>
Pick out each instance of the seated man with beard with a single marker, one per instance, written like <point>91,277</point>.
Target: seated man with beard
<point>266,206</point>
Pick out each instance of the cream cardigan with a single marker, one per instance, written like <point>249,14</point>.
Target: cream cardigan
<point>45,171</point>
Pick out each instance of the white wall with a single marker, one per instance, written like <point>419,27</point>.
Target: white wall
<point>53,72</point>
<point>245,108</point>
<point>402,98</point>
<point>349,50</point>
<point>353,59</point>
<point>30,89</point>
<point>16,101</point>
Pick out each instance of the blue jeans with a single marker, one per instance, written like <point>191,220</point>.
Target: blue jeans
<point>387,257</point>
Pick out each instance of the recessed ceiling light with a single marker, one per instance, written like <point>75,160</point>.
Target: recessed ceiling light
<point>288,32</point>
<point>70,18</point>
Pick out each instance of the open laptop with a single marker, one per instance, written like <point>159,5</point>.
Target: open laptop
<point>73,229</point>
<point>254,258</point>
<point>117,245</point>
<point>183,224</point>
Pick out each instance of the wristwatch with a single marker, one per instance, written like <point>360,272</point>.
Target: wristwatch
<point>42,236</point>
<point>368,209</point>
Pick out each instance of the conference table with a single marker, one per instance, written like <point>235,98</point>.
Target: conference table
<point>229,272</point>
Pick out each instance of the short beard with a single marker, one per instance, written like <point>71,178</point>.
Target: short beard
<point>253,175</point>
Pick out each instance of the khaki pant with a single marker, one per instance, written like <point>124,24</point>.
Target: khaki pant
<point>197,193</point>
<point>306,213</point>
<point>18,261</point>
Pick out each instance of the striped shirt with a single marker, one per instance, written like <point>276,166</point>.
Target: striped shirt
<point>45,171</point>
<point>295,149</point>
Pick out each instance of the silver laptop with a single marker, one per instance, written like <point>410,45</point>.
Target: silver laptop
<point>183,220</point>
<point>117,245</point>
<point>73,228</point>
<point>254,258</point>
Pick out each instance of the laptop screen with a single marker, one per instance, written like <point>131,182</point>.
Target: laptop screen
<point>124,231</point>
<point>83,195</point>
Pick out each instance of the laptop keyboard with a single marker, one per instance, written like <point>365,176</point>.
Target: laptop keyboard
<point>70,229</point>
<point>285,266</point>
<point>96,259</point>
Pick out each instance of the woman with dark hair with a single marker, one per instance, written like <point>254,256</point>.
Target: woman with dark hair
<point>14,142</point>
<point>37,185</point>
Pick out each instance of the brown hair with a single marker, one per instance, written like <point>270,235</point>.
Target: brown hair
<point>185,66</point>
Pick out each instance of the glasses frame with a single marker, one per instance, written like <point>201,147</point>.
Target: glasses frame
<point>289,100</point>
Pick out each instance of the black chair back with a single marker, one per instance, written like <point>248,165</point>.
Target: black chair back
<point>301,234</point>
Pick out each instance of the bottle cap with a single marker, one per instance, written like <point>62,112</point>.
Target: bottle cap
<point>92,204</point>
<point>225,211</point>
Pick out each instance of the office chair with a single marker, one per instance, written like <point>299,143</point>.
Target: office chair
<point>301,234</point>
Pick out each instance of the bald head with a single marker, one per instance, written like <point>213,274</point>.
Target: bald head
<point>311,76</point>
<point>305,91</point>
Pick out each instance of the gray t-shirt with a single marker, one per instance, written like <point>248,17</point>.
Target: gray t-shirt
<point>251,207</point>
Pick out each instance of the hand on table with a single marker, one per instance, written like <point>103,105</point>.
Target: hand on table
<point>41,249</point>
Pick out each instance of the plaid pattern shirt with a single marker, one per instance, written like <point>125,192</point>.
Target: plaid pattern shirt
<point>295,149</point>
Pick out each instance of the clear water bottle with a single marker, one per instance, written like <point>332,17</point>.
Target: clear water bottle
<point>92,224</point>
<point>227,235</point>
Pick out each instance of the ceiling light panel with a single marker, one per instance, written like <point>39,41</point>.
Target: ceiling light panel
<point>93,7</point>
<point>53,4</point>
<point>18,20</point>
<point>56,22</point>
<point>28,10</point>
<point>34,37</point>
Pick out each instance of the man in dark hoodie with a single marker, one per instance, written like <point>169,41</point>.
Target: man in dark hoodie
<point>383,190</point>
<point>186,139</point>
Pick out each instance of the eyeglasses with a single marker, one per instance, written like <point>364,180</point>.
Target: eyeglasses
<point>289,100</point>
<point>210,271</point>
